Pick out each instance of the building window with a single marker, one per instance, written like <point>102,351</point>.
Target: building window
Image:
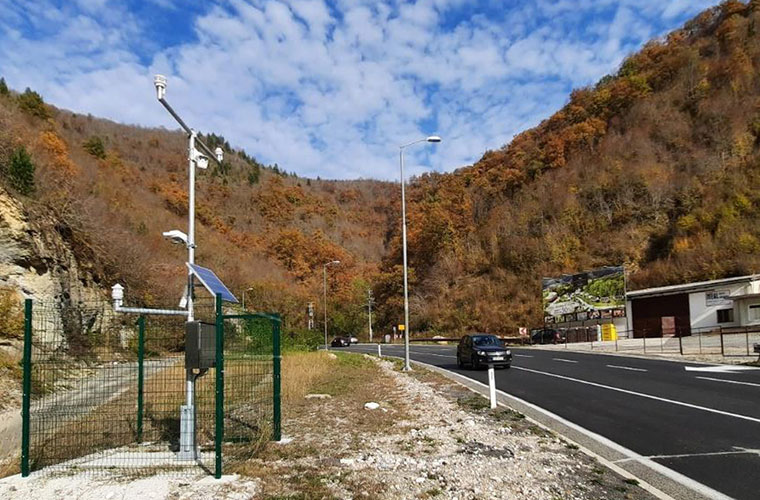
<point>754,312</point>
<point>727,315</point>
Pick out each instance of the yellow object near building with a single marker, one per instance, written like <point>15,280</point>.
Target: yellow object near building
<point>401,328</point>
<point>609,332</point>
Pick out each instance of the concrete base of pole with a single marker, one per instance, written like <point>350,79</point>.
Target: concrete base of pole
<point>187,446</point>
<point>379,352</point>
<point>492,386</point>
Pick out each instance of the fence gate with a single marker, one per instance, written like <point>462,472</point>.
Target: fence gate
<point>103,391</point>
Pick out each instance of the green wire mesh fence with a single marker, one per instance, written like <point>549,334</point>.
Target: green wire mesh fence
<point>103,391</point>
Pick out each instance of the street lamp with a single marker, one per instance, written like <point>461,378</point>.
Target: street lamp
<point>324,274</point>
<point>432,138</point>
<point>195,158</point>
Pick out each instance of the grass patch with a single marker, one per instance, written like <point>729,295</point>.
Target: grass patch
<point>474,402</point>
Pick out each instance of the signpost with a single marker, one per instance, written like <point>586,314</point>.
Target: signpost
<point>492,386</point>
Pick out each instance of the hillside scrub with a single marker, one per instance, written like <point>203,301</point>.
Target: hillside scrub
<point>656,167</point>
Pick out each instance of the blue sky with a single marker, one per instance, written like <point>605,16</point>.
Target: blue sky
<point>330,88</point>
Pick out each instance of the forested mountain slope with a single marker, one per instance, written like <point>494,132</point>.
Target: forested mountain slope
<point>656,167</point>
<point>110,190</point>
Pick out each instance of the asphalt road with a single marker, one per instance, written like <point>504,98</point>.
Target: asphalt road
<point>695,419</point>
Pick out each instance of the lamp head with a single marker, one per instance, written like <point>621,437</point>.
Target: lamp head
<point>117,292</point>
<point>176,236</point>
<point>160,82</point>
<point>219,154</point>
<point>433,138</point>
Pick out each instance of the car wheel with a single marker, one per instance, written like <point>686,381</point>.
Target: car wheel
<point>507,367</point>
<point>475,363</point>
<point>460,365</point>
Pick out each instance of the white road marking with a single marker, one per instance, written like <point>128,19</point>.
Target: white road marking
<point>627,368</point>
<point>523,356</point>
<point>737,451</point>
<point>729,381</point>
<point>719,368</point>
<point>688,482</point>
<point>565,360</point>
<point>439,355</point>
<point>642,395</point>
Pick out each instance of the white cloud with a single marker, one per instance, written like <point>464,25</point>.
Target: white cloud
<point>332,89</point>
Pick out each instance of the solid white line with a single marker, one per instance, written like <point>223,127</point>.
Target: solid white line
<point>737,451</point>
<point>565,360</point>
<point>641,394</point>
<point>627,368</point>
<point>729,381</point>
<point>651,464</point>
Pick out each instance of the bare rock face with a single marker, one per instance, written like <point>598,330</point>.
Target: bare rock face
<point>38,263</point>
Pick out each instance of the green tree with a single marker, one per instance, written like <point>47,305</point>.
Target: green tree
<point>21,171</point>
<point>94,146</point>
<point>31,102</point>
<point>4,87</point>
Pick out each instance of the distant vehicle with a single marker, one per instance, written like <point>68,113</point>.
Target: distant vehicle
<point>545,336</point>
<point>341,342</point>
<point>353,340</point>
<point>480,349</point>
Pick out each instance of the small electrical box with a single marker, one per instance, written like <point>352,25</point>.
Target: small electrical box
<point>200,345</point>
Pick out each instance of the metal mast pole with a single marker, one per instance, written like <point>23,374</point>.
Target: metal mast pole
<point>407,366</point>
<point>187,422</point>
<point>369,318</point>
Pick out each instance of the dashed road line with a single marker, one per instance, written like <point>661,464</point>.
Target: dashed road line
<point>729,381</point>
<point>565,360</point>
<point>627,368</point>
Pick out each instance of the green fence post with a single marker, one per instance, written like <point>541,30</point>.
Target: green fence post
<point>219,392</point>
<point>27,388</point>
<point>276,379</point>
<point>140,375</point>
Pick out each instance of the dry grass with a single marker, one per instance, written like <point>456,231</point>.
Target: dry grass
<point>301,371</point>
<point>324,430</point>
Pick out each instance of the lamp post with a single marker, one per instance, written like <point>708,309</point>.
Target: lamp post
<point>324,275</point>
<point>195,159</point>
<point>432,138</point>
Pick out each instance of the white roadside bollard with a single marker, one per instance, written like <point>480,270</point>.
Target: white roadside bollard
<point>379,353</point>
<point>492,386</point>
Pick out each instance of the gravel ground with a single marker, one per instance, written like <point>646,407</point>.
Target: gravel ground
<point>429,438</point>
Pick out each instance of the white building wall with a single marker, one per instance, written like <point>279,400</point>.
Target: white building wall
<point>704,315</point>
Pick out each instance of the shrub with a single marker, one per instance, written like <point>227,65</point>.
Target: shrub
<point>94,146</point>
<point>11,314</point>
<point>21,171</point>
<point>3,87</point>
<point>31,102</point>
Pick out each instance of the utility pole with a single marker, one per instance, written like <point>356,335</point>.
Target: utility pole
<point>369,305</point>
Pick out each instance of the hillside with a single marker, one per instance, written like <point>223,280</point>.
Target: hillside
<point>656,167</point>
<point>109,190</point>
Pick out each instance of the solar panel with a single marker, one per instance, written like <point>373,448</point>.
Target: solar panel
<point>212,283</point>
